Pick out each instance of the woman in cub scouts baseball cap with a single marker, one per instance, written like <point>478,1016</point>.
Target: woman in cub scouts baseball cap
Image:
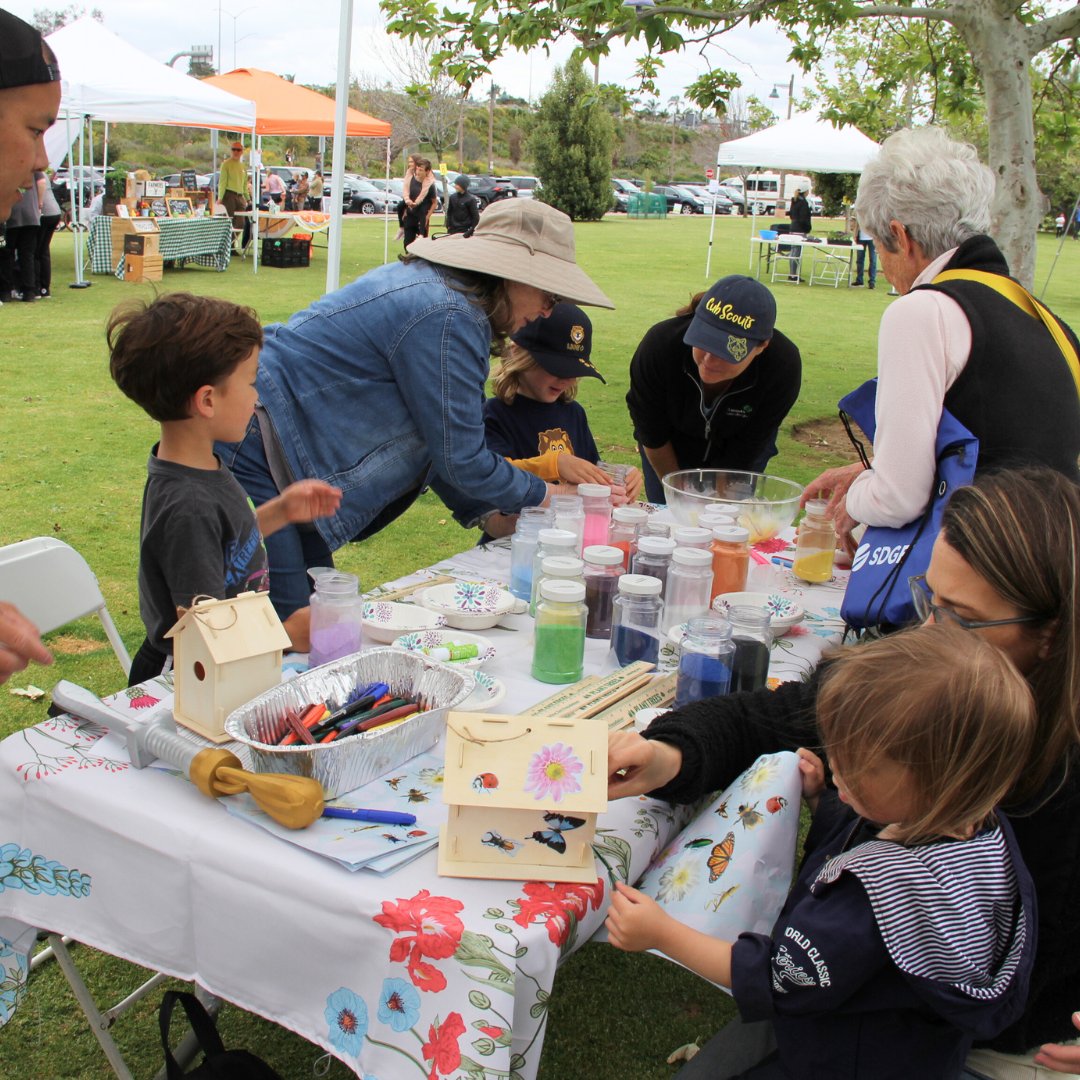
<point>710,387</point>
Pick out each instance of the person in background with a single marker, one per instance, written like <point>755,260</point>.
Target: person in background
<point>29,102</point>
<point>1005,567</point>
<point>952,344</point>
<point>1059,223</point>
<point>274,190</point>
<point>18,256</point>
<point>419,201</point>
<point>871,970</point>
<point>300,191</point>
<point>866,248</point>
<point>710,387</point>
<point>462,213</point>
<point>533,418</point>
<point>50,218</point>
<point>318,200</point>
<point>234,189</point>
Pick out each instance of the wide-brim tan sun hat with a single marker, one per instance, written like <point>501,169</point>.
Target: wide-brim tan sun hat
<point>518,240</point>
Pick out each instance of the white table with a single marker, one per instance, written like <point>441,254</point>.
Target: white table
<point>831,263</point>
<point>139,864</point>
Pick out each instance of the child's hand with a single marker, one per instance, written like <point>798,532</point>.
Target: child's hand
<point>633,919</point>
<point>812,772</point>
<point>633,485</point>
<point>307,500</point>
<point>575,470</point>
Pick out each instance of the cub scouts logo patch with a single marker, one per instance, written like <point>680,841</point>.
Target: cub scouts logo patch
<point>737,348</point>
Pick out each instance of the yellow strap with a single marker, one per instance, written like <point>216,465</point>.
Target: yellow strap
<point>1016,292</point>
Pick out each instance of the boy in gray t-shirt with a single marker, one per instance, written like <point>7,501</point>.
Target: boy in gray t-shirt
<point>190,362</point>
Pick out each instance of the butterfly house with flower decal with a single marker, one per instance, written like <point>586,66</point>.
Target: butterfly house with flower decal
<point>524,793</point>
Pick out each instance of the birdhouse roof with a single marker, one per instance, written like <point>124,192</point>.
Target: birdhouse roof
<point>526,762</point>
<point>235,629</point>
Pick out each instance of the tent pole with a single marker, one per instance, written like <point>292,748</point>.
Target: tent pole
<point>712,230</point>
<point>80,281</point>
<point>105,150</point>
<point>341,105</point>
<point>256,172</point>
<point>386,211</point>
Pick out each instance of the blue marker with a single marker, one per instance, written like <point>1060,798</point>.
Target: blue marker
<point>377,817</point>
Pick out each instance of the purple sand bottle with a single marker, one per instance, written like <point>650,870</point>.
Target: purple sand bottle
<point>653,557</point>
<point>337,610</point>
<point>559,646</point>
<point>603,568</point>
<point>753,640</point>
<point>705,660</point>
<point>635,624</point>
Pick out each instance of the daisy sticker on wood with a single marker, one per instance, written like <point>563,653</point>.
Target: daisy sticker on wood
<point>523,793</point>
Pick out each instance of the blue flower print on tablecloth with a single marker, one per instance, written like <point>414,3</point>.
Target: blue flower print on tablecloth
<point>21,869</point>
<point>14,969</point>
<point>347,1017</point>
<point>826,624</point>
<point>399,1004</point>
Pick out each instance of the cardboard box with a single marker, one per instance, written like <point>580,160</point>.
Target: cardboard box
<point>121,228</point>
<point>143,268</point>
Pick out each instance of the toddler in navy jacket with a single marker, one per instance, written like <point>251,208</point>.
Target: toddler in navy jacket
<point>910,930</point>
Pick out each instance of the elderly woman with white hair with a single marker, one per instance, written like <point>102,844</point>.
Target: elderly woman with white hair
<point>948,343</point>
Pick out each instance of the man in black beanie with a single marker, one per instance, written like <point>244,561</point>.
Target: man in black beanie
<point>29,102</point>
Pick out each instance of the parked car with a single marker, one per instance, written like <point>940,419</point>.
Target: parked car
<point>679,198</point>
<point>366,198</point>
<point>733,192</point>
<point>723,204</point>
<point>621,200</point>
<point>625,186</point>
<point>486,190</point>
<point>176,179</point>
<point>526,186</point>
<point>817,205</point>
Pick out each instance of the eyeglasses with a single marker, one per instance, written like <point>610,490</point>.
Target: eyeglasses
<point>922,597</point>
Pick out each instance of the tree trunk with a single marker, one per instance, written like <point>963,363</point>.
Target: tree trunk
<point>1000,51</point>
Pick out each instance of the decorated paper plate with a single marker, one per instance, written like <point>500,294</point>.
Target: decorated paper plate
<point>384,620</point>
<point>784,610</point>
<point>469,605</point>
<point>487,693</point>
<point>455,647</point>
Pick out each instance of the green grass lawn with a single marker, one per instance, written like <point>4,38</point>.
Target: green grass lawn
<point>72,465</point>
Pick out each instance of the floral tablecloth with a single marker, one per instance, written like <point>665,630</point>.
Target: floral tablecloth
<point>397,975</point>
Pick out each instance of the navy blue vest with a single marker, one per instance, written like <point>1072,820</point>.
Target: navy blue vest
<point>1016,392</point>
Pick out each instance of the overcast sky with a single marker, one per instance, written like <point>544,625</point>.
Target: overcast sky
<point>284,36</point>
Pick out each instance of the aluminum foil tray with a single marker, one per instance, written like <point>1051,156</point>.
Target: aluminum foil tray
<point>354,760</point>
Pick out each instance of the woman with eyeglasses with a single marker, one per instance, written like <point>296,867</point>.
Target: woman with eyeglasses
<point>378,388</point>
<point>1006,566</point>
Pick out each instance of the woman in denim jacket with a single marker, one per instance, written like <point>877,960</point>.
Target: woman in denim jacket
<point>378,388</point>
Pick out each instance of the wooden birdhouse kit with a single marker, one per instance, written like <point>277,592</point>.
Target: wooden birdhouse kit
<point>225,652</point>
<point>524,793</point>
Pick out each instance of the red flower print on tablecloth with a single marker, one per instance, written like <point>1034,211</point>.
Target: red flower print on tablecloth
<point>770,546</point>
<point>555,904</point>
<point>429,927</point>
<point>138,698</point>
<point>442,1048</point>
<point>492,1032</point>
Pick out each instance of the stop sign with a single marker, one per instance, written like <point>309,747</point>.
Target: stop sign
<point>708,174</point>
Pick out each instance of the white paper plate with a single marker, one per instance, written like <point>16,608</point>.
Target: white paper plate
<point>784,610</point>
<point>433,639</point>
<point>469,605</point>
<point>384,620</point>
<point>487,693</point>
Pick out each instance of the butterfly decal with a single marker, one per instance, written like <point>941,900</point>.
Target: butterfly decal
<point>720,856</point>
<point>500,843</point>
<point>553,836</point>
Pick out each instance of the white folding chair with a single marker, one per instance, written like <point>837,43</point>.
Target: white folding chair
<point>52,585</point>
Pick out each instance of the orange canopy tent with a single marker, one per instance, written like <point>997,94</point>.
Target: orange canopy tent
<point>283,108</point>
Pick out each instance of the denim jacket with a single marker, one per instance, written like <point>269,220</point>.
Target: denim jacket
<point>379,387</point>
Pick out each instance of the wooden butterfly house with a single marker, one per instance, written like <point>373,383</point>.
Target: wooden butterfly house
<point>524,793</point>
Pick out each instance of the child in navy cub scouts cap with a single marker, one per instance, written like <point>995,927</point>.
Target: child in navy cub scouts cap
<point>533,419</point>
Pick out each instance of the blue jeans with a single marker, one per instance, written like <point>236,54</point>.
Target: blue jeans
<point>860,257</point>
<point>291,551</point>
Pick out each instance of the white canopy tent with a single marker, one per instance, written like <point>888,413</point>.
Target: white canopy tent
<point>105,78</point>
<point>803,144</point>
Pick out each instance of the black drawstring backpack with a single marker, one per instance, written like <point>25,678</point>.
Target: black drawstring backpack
<point>218,1063</point>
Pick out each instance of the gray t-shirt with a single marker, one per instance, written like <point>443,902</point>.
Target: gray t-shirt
<point>199,537</point>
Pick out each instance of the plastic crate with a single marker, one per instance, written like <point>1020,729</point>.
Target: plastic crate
<point>286,252</point>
